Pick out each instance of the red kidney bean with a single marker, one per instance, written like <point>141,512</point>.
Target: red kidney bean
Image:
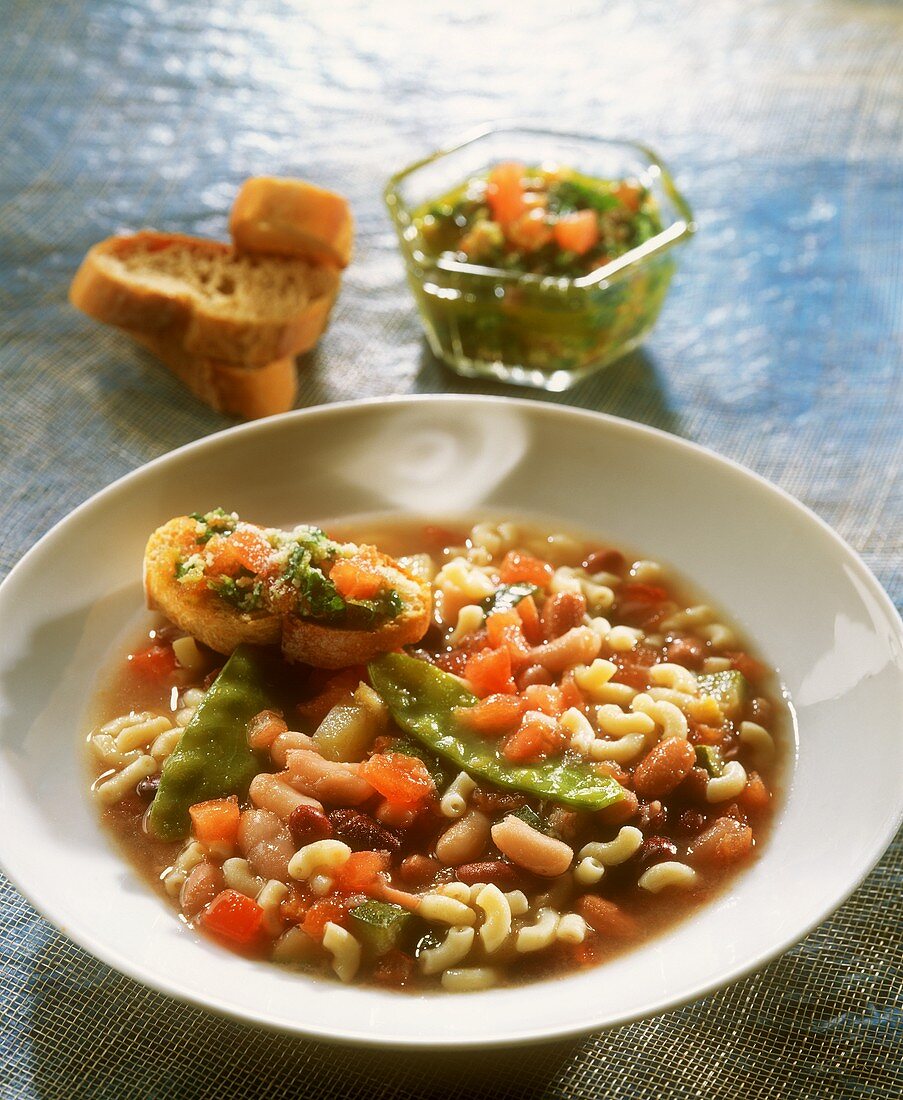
<point>662,768</point>
<point>604,561</point>
<point>498,871</point>
<point>656,849</point>
<point>693,787</point>
<point>307,824</point>
<point>418,870</point>
<point>691,822</point>
<point>491,802</point>
<point>533,674</point>
<point>619,812</point>
<point>652,816</point>
<point>360,831</point>
<point>147,787</point>
<point>686,651</point>
<point>606,917</point>
<point>561,613</point>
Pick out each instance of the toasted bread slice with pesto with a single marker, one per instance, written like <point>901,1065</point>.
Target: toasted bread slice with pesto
<point>307,641</point>
<point>330,604</point>
<point>175,583</point>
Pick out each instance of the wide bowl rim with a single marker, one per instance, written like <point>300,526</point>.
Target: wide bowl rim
<point>162,983</point>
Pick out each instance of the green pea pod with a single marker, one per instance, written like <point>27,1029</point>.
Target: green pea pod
<point>213,758</point>
<point>423,700</point>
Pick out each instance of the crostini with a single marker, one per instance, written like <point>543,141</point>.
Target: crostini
<point>330,604</point>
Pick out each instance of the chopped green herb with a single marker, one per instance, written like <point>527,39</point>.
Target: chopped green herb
<point>245,597</point>
<point>508,596</point>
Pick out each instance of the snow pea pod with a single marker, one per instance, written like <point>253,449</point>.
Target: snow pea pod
<point>423,699</point>
<point>213,758</point>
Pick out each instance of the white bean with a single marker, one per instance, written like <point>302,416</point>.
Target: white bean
<point>464,841</point>
<point>531,849</point>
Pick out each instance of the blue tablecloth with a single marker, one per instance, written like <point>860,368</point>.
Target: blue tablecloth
<point>779,346</point>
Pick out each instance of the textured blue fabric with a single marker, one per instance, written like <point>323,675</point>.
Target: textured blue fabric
<point>779,346</point>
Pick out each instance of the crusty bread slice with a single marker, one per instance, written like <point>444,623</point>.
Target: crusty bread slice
<point>194,608</point>
<point>205,297</point>
<point>250,392</point>
<point>311,643</point>
<point>290,217</point>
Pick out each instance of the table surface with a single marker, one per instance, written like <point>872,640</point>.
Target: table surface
<point>779,346</point>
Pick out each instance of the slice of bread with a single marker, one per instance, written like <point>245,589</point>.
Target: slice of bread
<point>205,297</point>
<point>251,392</point>
<point>307,642</point>
<point>290,217</point>
<point>193,607</point>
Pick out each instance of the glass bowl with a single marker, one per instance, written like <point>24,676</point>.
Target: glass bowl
<point>535,330</point>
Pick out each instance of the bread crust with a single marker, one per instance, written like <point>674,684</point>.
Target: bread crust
<point>291,217</point>
<point>193,607</point>
<point>250,392</point>
<point>177,315</point>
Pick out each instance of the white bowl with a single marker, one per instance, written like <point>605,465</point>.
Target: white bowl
<point>805,598</point>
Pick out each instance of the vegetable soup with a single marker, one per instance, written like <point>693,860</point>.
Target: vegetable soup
<point>573,753</point>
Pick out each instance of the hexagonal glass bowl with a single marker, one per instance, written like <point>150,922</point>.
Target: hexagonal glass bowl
<point>541,331</point>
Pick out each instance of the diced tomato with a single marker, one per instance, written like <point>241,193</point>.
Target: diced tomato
<point>642,593</point>
<point>578,231</point>
<point>530,621</point>
<point>609,767</point>
<point>751,669</point>
<point>534,740</point>
<point>493,715</point>
<point>489,672</point>
<point>245,548</point>
<point>361,870</point>
<point>523,567</point>
<point>546,698</point>
<point>571,695</point>
<point>440,537</point>
<point>394,969</point>
<point>754,798</point>
<point>216,821</point>
<point>324,911</point>
<point>629,194</point>
<point>633,666</point>
<point>585,953</point>
<point>233,916</point>
<point>154,663</point>
<point>505,192</point>
<point>503,628</point>
<point>400,779</point>
<point>357,578</point>
<point>294,907</point>
<point>530,231</point>
<point>336,689</point>
<point>701,734</point>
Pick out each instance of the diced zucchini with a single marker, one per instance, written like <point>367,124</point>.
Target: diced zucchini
<point>709,757</point>
<point>379,925</point>
<point>531,818</point>
<point>730,690</point>
<point>346,733</point>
